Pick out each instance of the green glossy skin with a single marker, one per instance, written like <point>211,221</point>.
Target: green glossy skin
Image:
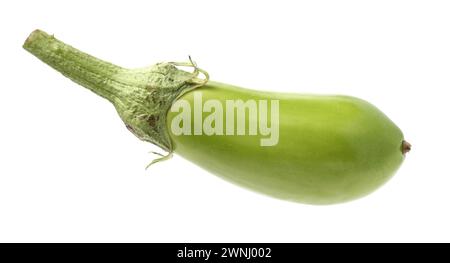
<point>331,149</point>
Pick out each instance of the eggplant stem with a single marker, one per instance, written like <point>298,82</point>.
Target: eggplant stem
<point>142,96</point>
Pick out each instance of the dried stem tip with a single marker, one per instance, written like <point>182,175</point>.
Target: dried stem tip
<point>406,147</point>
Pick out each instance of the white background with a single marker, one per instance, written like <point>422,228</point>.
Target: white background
<point>70,170</point>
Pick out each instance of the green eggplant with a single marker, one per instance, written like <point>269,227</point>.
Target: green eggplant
<point>313,149</point>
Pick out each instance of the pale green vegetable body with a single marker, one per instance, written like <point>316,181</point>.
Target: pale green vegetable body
<point>331,148</point>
